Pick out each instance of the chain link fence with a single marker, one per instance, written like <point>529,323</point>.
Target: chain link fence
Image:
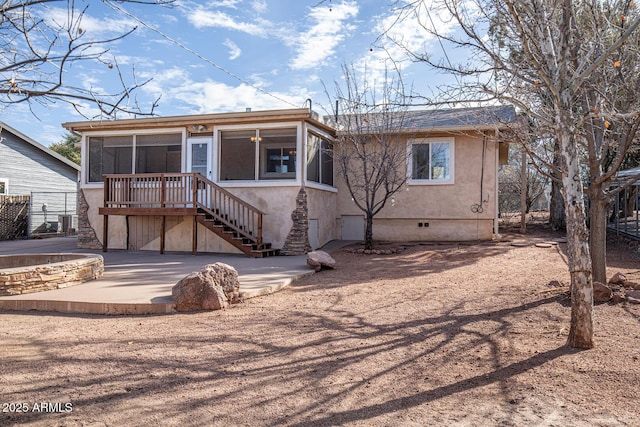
<point>53,213</point>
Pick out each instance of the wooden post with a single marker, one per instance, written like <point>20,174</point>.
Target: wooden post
<point>259,229</point>
<point>194,238</point>
<point>163,182</point>
<point>162,232</point>
<point>105,225</point>
<point>105,233</point>
<point>163,223</point>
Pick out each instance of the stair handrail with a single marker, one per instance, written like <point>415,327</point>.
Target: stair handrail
<point>247,221</point>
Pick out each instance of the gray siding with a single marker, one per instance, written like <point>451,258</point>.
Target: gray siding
<point>32,171</point>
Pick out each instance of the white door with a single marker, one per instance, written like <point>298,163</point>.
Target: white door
<point>199,156</point>
<point>199,160</point>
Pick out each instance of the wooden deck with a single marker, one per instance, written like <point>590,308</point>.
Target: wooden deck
<point>184,194</point>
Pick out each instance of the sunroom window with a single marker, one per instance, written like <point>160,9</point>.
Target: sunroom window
<point>278,153</point>
<point>237,155</point>
<point>319,159</point>
<point>109,155</point>
<point>153,153</point>
<point>158,153</point>
<point>274,149</point>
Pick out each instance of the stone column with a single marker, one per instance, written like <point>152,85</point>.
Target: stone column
<point>87,237</point>
<point>297,242</point>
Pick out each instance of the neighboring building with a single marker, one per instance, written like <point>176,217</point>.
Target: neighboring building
<point>256,181</point>
<point>28,168</point>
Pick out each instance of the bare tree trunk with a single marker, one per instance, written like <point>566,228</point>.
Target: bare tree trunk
<point>556,204</point>
<point>581,332</point>
<point>598,239</point>
<point>368,232</point>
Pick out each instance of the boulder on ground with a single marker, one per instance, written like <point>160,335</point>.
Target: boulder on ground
<point>318,260</point>
<point>618,279</point>
<point>601,292</point>
<point>212,288</point>
<point>633,296</point>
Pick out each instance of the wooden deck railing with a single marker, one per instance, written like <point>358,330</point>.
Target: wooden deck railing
<point>184,190</point>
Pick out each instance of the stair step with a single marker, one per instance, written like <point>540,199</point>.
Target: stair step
<point>246,245</point>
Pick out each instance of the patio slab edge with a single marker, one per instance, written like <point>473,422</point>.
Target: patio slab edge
<point>81,307</point>
<point>268,290</point>
<point>111,308</point>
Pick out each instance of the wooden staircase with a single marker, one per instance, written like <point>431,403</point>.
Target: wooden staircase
<point>238,240</point>
<point>231,218</point>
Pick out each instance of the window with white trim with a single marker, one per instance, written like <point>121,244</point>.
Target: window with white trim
<point>319,159</point>
<point>118,154</point>
<point>431,160</point>
<point>4,186</point>
<point>258,154</point>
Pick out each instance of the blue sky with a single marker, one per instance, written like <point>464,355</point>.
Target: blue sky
<point>229,55</point>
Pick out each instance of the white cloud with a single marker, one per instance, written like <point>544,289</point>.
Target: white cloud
<point>203,18</point>
<point>163,81</point>
<point>260,6</point>
<point>234,50</point>
<point>210,97</point>
<point>90,26</point>
<point>331,26</point>
<point>403,33</point>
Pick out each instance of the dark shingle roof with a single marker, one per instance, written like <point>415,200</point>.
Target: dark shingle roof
<point>450,119</point>
<point>477,117</point>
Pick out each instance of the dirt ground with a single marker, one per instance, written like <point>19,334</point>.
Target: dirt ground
<point>440,334</point>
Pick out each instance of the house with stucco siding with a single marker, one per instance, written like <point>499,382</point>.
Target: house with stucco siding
<point>264,182</point>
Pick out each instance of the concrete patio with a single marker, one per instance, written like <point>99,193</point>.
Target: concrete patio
<point>140,282</point>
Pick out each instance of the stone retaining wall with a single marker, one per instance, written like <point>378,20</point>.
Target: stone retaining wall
<point>66,270</point>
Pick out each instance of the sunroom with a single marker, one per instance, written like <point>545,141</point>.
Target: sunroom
<point>162,183</point>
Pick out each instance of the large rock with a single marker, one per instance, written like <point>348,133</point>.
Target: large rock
<point>601,292</point>
<point>633,296</point>
<point>318,260</point>
<point>618,279</point>
<point>212,288</point>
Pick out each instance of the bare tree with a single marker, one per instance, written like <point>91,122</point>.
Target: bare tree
<point>545,57</point>
<point>38,51</point>
<point>370,153</point>
<point>534,183</point>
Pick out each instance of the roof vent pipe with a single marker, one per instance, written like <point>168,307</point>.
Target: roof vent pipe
<point>247,110</point>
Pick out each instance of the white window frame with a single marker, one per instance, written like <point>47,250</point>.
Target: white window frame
<point>85,141</point>
<point>323,135</point>
<point>258,182</point>
<point>420,141</point>
<point>5,181</point>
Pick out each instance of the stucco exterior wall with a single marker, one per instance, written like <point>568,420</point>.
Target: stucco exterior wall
<point>451,210</point>
<point>407,230</point>
<point>323,206</point>
<point>278,203</point>
<point>117,224</point>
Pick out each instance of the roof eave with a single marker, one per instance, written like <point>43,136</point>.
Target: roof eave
<point>264,116</point>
